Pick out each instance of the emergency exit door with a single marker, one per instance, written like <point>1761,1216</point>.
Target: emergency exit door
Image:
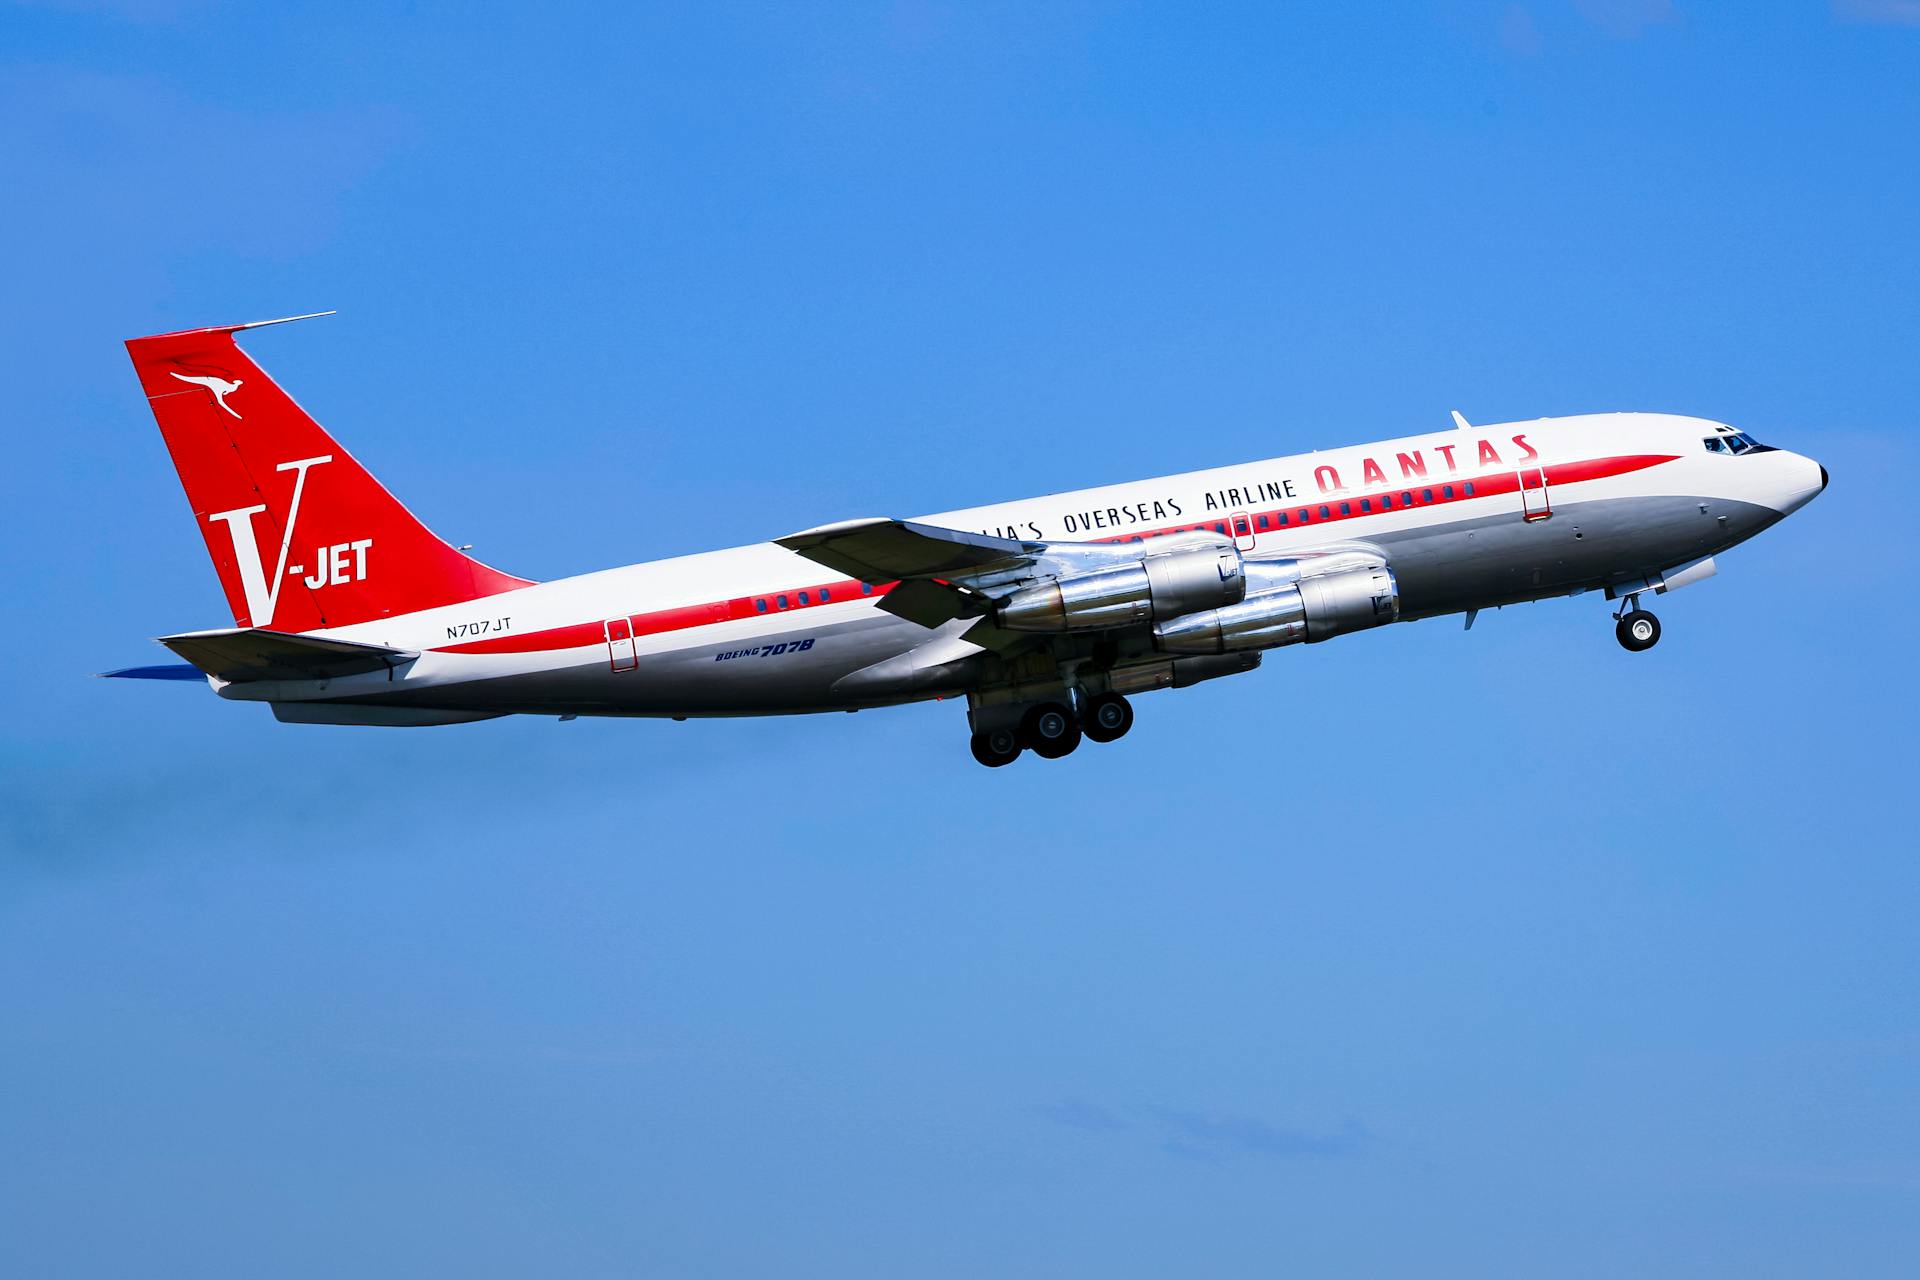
<point>1534,504</point>
<point>1242,525</point>
<point>620,650</point>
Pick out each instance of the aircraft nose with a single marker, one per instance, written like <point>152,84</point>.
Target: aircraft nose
<point>1804,481</point>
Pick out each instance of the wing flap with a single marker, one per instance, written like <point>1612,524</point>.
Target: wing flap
<point>254,653</point>
<point>932,603</point>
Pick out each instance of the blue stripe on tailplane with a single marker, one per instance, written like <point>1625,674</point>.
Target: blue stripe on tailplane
<point>164,671</point>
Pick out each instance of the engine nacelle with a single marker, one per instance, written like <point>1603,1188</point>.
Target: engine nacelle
<point>1177,673</point>
<point>1163,586</point>
<point>1352,601</point>
<point>1310,610</point>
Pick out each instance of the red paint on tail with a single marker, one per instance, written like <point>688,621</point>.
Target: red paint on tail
<point>301,535</point>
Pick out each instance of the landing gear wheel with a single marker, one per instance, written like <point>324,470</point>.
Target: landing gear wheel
<point>1637,631</point>
<point>1050,730</point>
<point>1108,718</point>
<point>996,747</point>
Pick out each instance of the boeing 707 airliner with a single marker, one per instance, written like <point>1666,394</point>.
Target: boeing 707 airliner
<point>1045,614</point>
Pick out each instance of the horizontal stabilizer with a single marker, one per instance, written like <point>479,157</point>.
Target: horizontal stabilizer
<point>164,671</point>
<point>251,653</point>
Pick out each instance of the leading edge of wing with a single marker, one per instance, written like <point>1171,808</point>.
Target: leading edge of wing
<point>885,550</point>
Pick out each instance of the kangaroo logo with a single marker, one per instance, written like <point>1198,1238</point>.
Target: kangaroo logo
<point>263,595</point>
<point>220,387</point>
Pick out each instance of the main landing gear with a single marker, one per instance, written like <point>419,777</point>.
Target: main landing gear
<point>996,747</point>
<point>1636,630</point>
<point>1052,730</point>
<point>1108,718</point>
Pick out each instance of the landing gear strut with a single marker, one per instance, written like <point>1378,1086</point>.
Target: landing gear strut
<point>1637,630</point>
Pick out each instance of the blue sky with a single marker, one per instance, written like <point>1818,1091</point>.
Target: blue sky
<point>1431,952</point>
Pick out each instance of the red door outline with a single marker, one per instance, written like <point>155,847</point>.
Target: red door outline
<point>620,650</point>
<point>1534,503</point>
<point>1242,525</point>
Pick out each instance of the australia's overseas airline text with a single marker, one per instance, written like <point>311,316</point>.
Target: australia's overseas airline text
<point>1473,455</point>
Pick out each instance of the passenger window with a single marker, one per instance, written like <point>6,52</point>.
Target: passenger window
<point>1304,515</point>
<point>760,605</point>
<point>1281,519</point>
<point>803,597</point>
<point>781,602</point>
<point>825,595</point>
<point>1263,523</point>
<point>1325,514</point>
<point>1446,491</point>
<point>1406,499</point>
<point>1366,504</point>
<point>1346,508</point>
<point>1469,488</point>
<point>866,588</point>
<point>1426,495</point>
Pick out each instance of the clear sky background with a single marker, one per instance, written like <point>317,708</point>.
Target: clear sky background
<point>1422,952</point>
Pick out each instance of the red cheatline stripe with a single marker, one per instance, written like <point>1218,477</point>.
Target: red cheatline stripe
<point>576,636</point>
<point>581,634</point>
<point>1444,489</point>
<point>1338,506</point>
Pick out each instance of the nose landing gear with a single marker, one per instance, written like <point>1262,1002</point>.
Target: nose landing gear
<point>1637,630</point>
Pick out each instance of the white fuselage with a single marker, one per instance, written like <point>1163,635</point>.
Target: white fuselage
<point>1466,518</point>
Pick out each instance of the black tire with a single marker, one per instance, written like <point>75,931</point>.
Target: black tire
<point>995,747</point>
<point>1050,730</point>
<point>1060,746</point>
<point>1108,718</point>
<point>1637,631</point>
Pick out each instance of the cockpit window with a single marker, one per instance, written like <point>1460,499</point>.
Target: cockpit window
<point>1735,442</point>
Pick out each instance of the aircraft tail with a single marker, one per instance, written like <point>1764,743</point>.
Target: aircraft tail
<point>302,537</point>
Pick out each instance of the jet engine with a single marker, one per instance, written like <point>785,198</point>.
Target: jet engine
<point>1162,586</point>
<point>1311,609</point>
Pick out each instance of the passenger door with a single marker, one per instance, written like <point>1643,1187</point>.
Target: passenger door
<point>620,650</point>
<point>1241,525</point>
<point>1534,503</point>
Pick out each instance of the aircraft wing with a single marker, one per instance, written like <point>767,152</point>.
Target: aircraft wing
<point>941,573</point>
<point>881,550</point>
<point>253,653</point>
<point>949,573</point>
